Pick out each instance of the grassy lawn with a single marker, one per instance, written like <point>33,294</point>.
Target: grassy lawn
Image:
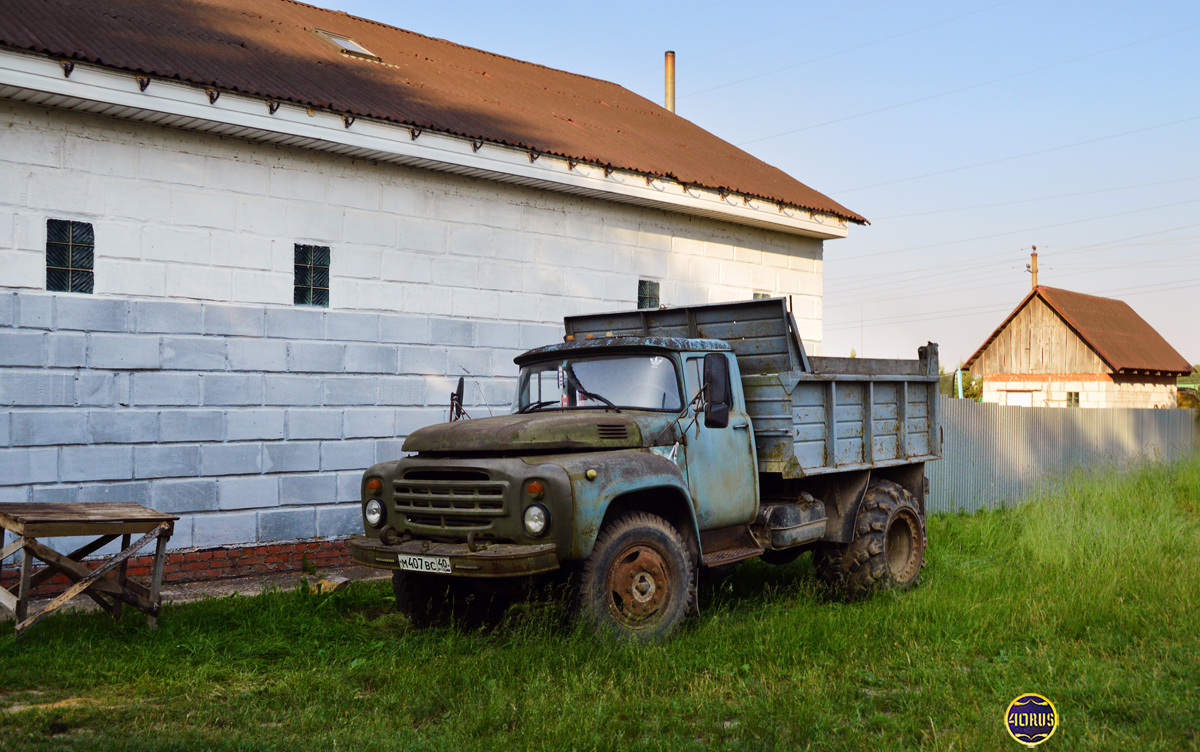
<point>1090,596</point>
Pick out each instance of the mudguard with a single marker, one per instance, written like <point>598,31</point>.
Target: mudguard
<point>617,474</point>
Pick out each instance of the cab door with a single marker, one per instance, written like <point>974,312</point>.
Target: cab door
<point>722,469</point>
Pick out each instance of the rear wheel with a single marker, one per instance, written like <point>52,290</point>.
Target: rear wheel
<point>888,550</point>
<point>638,582</point>
<point>828,559</point>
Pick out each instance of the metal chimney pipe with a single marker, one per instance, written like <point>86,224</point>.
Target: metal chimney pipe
<point>1033,267</point>
<point>670,76</point>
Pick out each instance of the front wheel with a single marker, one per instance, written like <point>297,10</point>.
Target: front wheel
<point>430,600</point>
<point>424,598</point>
<point>638,582</point>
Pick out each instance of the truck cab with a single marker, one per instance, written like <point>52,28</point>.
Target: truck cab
<point>598,427</point>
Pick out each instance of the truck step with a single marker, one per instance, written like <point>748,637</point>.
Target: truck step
<point>730,555</point>
<point>727,545</point>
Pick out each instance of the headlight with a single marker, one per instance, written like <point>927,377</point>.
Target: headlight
<point>537,519</point>
<point>373,512</point>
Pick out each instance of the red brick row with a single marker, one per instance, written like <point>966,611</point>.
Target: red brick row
<point>212,564</point>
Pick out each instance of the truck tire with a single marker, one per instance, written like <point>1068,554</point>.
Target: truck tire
<point>423,598</point>
<point>430,600</point>
<point>889,542</point>
<point>638,583</point>
<point>828,559</point>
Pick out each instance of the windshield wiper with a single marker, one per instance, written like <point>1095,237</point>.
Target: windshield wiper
<point>584,392</point>
<point>536,405</point>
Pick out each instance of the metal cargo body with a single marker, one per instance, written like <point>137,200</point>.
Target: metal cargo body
<point>845,414</point>
<point>810,415</point>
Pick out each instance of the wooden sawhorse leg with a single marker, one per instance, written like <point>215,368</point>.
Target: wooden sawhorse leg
<point>95,580</point>
<point>122,579</point>
<point>156,576</point>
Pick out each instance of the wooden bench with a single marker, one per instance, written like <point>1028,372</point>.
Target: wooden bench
<point>108,584</point>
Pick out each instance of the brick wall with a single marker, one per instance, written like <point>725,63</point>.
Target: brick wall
<point>1093,390</point>
<point>254,423</point>
<point>189,382</point>
<point>186,215</point>
<point>214,564</point>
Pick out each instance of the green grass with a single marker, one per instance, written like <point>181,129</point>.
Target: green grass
<point>1090,596</point>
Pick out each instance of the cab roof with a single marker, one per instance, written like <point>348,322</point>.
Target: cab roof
<point>604,344</point>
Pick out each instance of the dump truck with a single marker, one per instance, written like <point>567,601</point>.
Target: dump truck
<point>652,448</point>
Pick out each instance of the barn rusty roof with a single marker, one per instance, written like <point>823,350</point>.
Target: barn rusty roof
<point>1121,338</point>
<point>269,48</point>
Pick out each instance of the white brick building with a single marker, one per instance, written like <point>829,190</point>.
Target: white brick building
<point>225,302</point>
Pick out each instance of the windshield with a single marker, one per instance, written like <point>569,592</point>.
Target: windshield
<point>640,382</point>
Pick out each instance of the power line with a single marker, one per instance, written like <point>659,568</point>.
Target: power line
<point>974,288</point>
<point>1018,232</point>
<point>965,88</point>
<point>1022,156</point>
<point>845,290</point>
<point>855,296</point>
<point>842,52</point>
<point>710,53</point>
<point>893,277</point>
<point>1034,200</point>
<point>979,310</point>
<point>978,270</point>
<point>905,318</point>
<point>624,30</point>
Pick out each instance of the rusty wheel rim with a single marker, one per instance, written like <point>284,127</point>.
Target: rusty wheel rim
<point>639,586</point>
<point>904,547</point>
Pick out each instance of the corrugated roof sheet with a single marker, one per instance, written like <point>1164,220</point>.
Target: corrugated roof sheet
<point>267,48</point>
<point>1110,327</point>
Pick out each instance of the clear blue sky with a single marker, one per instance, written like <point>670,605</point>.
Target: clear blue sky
<point>965,131</point>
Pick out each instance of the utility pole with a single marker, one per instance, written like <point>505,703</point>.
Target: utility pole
<point>1032,266</point>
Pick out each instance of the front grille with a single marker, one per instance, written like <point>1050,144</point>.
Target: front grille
<point>446,475</point>
<point>447,522</point>
<point>449,499</point>
<point>613,431</point>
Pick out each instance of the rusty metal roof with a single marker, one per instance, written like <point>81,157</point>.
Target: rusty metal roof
<point>269,48</point>
<point>1122,339</point>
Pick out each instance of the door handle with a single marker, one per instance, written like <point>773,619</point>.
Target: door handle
<point>741,425</point>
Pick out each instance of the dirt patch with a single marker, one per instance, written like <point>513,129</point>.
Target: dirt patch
<point>70,702</point>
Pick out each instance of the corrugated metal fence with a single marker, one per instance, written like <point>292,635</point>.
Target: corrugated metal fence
<point>994,456</point>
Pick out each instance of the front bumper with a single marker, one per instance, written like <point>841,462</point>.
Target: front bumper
<point>492,560</point>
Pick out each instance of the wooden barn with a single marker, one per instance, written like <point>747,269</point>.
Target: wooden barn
<point>1065,349</point>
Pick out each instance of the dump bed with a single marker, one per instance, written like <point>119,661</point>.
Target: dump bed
<point>810,415</point>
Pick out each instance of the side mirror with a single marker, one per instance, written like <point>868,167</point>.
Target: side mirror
<point>717,391</point>
<point>456,401</point>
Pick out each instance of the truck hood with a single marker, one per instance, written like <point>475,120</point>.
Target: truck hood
<point>545,431</point>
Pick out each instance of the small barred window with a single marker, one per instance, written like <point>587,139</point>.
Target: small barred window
<point>1072,399</point>
<point>312,275</point>
<point>647,294</point>
<point>70,248</point>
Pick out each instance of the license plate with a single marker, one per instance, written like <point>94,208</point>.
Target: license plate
<point>432,564</point>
